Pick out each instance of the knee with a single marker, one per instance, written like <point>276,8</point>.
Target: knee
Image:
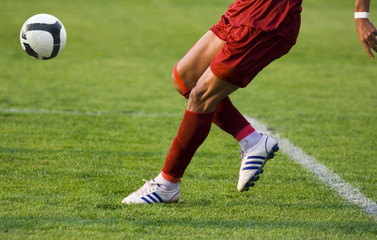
<point>200,100</point>
<point>196,96</point>
<point>175,83</point>
<point>205,96</point>
<point>180,83</point>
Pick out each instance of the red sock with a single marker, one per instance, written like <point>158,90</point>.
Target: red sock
<point>191,134</point>
<point>228,118</point>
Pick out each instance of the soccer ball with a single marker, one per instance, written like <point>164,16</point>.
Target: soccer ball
<point>43,36</point>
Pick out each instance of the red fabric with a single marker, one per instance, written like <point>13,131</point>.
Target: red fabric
<point>229,119</point>
<point>248,50</point>
<point>265,15</point>
<point>191,134</point>
<point>179,80</point>
<point>184,89</point>
<point>170,178</point>
<point>246,131</point>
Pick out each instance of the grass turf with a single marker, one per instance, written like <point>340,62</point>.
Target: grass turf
<point>78,133</point>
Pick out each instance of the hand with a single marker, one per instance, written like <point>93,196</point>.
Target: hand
<point>367,35</point>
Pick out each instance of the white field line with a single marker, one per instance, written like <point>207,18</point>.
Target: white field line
<point>333,180</point>
<point>87,113</point>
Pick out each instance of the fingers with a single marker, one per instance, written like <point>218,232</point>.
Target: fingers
<point>372,40</point>
<point>369,53</point>
<point>375,49</point>
<point>372,44</point>
<point>367,34</point>
<point>368,45</point>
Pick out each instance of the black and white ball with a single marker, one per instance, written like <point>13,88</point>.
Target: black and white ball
<point>43,36</point>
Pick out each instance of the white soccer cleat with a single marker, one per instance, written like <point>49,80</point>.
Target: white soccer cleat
<point>253,161</point>
<point>151,192</point>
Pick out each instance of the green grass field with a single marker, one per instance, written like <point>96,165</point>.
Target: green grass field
<point>79,133</point>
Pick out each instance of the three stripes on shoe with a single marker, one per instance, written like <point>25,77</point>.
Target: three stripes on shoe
<point>254,163</point>
<point>155,198</point>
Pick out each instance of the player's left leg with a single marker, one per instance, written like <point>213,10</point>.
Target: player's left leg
<point>195,62</point>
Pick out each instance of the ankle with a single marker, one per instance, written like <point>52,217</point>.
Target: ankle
<point>250,141</point>
<point>166,184</point>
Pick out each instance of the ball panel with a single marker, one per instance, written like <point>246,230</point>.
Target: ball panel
<point>42,18</point>
<point>43,36</point>
<point>63,38</point>
<point>29,50</point>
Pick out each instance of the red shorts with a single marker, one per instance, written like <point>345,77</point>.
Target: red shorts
<point>248,50</point>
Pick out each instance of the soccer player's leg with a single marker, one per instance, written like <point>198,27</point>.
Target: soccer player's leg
<point>185,76</point>
<point>191,67</point>
<point>188,71</point>
<point>226,116</point>
<point>196,123</point>
<point>258,50</point>
<point>194,129</point>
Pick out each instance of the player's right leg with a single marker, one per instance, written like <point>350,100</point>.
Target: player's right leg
<point>191,67</point>
<point>185,76</point>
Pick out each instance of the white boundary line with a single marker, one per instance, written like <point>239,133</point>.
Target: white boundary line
<point>86,113</point>
<point>333,180</point>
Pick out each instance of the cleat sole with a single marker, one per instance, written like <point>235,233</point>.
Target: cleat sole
<point>275,148</point>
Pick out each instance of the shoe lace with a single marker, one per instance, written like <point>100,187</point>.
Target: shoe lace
<point>146,187</point>
<point>242,155</point>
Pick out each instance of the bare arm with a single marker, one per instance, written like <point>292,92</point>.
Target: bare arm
<point>365,28</point>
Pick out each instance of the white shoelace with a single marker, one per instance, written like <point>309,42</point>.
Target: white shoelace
<point>145,188</point>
